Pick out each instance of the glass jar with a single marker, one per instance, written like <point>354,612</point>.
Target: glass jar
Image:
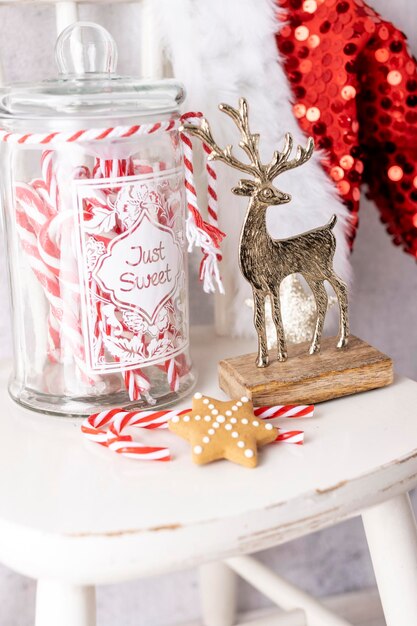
<point>92,191</point>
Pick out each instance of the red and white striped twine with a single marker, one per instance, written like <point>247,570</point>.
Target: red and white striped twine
<point>206,235</point>
<point>88,135</point>
<point>106,428</point>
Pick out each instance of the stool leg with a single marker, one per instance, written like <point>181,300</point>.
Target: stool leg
<point>218,594</point>
<point>64,604</point>
<point>391,533</point>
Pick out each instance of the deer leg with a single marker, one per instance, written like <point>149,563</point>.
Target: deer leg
<point>340,289</point>
<point>276,315</point>
<point>321,298</point>
<point>259,321</point>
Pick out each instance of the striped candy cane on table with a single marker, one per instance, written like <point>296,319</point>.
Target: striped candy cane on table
<point>294,411</point>
<point>106,428</point>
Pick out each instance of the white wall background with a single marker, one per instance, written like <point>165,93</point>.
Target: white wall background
<point>384,312</point>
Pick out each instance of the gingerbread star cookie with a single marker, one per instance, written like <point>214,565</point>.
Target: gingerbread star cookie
<point>223,430</point>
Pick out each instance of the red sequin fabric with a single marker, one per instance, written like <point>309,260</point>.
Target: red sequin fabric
<point>354,86</point>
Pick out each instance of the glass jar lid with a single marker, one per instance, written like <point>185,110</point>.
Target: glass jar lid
<point>87,86</point>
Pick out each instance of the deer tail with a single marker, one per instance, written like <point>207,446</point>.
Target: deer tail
<point>332,222</point>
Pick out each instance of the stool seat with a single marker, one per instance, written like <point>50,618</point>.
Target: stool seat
<point>72,510</point>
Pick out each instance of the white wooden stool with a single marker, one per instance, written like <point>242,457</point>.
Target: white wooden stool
<point>74,515</point>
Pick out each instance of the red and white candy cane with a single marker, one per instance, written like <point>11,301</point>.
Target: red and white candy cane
<point>47,186</point>
<point>26,197</point>
<point>40,224</point>
<point>287,410</point>
<point>107,427</point>
<point>290,436</point>
<point>173,373</point>
<point>137,385</point>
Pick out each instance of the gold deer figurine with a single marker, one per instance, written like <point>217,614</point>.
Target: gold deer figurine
<point>264,261</point>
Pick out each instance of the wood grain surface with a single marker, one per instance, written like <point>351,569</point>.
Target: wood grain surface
<point>305,378</point>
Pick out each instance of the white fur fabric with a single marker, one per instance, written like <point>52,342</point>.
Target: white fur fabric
<point>224,49</point>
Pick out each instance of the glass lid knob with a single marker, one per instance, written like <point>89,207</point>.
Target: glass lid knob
<point>85,48</point>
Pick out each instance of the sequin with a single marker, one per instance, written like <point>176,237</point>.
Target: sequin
<point>347,162</point>
<point>313,114</point>
<point>299,110</point>
<point>382,55</point>
<point>309,6</point>
<point>394,77</point>
<point>348,92</point>
<point>343,187</point>
<point>313,41</point>
<point>383,33</point>
<point>395,173</point>
<point>305,66</point>
<point>337,173</point>
<point>354,89</point>
<point>301,33</point>
<point>342,7</point>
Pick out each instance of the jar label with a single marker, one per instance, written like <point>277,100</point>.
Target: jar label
<point>131,264</point>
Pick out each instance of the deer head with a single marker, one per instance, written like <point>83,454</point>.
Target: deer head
<point>261,188</point>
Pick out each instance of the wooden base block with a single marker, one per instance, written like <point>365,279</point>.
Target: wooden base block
<point>305,378</point>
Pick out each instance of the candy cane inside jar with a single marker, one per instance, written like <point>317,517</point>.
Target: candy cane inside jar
<point>99,215</point>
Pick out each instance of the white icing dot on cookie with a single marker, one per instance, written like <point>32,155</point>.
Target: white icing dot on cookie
<point>216,425</point>
<point>211,406</point>
<point>239,403</point>
<point>206,401</point>
<point>211,431</point>
<point>186,418</point>
<point>175,419</point>
<point>206,439</point>
<point>234,407</point>
<point>248,453</point>
<point>198,395</point>
<point>229,413</point>
<point>197,418</point>
<point>245,421</point>
<point>235,435</point>
<point>241,444</point>
<point>268,426</point>
<point>255,423</point>
<point>221,419</point>
<point>233,420</point>
<point>228,427</point>
<point>244,399</point>
<point>198,449</point>
<point>214,412</point>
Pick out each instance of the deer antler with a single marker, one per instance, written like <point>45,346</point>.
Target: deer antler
<point>280,162</point>
<point>250,145</point>
<point>249,142</point>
